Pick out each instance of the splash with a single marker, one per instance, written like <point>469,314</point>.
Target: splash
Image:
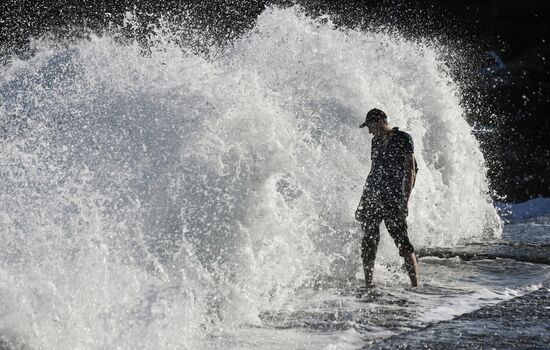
<point>152,200</point>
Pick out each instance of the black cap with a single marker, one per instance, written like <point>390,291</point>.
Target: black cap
<point>374,115</point>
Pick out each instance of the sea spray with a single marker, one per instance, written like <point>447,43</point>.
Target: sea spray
<point>153,199</point>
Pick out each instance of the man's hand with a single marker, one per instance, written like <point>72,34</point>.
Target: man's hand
<point>405,205</point>
<point>359,213</point>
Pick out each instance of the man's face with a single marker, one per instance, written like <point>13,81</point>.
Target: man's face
<point>376,127</point>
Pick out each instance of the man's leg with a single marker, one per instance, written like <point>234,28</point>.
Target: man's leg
<point>369,245</point>
<point>412,268</point>
<point>396,223</point>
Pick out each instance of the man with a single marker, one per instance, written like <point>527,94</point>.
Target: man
<point>386,193</point>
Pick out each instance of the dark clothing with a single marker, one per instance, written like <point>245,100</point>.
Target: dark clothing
<point>395,218</point>
<point>383,195</point>
<point>386,179</point>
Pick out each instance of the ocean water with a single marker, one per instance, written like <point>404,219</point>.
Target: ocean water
<point>158,198</point>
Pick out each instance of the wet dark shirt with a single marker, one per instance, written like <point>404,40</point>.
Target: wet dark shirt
<point>386,179</point>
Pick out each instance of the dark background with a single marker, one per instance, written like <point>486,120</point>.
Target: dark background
<point>499,54</point>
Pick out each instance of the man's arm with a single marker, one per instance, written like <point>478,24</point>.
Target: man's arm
<point>410,176</point>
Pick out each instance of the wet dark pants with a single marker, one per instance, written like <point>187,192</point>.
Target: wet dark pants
<point>395,218</point>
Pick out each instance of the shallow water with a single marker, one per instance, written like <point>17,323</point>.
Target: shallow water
<point>535,231</point>
<point>348,317</point>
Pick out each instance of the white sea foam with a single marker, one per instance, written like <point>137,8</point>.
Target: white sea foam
<point>148,200</point>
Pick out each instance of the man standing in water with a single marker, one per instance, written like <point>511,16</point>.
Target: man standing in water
<point>386,193</point>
